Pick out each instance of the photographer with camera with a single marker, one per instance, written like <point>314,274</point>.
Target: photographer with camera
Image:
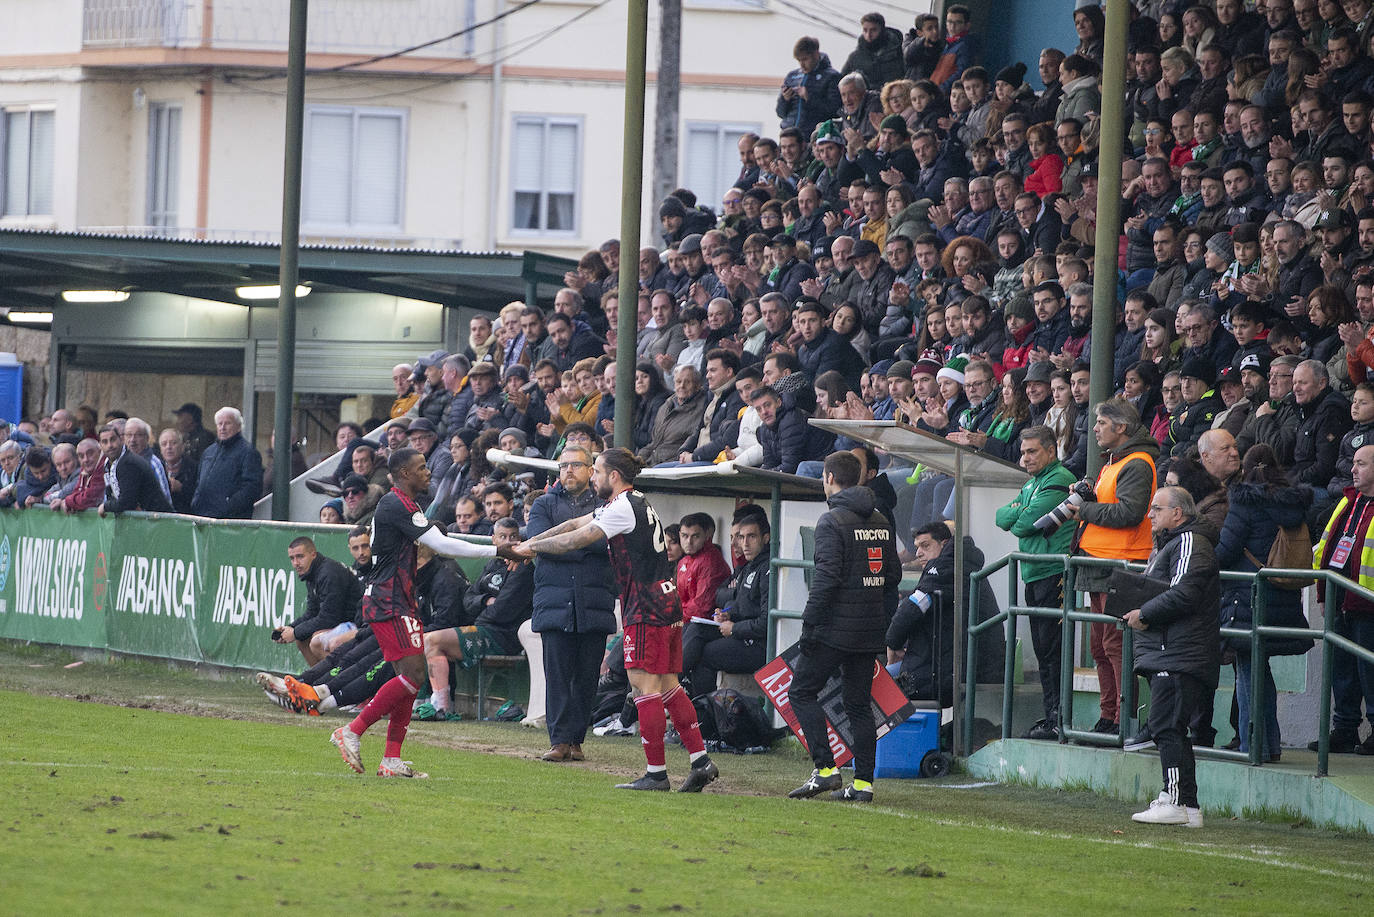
<point>1115,526</point>
<point>1036,517</point>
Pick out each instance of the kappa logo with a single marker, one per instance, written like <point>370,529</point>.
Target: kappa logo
<point>875,560</point>
<point>4,561</point>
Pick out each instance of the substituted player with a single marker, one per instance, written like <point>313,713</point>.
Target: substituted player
<point>652,613</point>
<point>844,626</point>
<point>389,604</point>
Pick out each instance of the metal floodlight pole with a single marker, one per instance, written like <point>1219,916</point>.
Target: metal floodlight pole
<point>631,194</point>
<point>288,270</point>
<point>1113,129</point>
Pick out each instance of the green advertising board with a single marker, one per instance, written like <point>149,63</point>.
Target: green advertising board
<point>168,586</point>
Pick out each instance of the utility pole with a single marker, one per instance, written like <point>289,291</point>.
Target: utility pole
<point>666,98</point>
<point>631,206</point>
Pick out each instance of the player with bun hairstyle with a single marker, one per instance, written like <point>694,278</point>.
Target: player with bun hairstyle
<point>652,612</point>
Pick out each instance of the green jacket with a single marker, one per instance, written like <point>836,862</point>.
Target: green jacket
<point>1038,496</point>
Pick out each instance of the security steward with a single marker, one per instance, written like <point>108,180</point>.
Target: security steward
<point>844,625</point>
<point>1116,526</point>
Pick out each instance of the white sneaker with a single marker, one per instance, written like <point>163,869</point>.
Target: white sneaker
<point>613,728</point>
<point>1163,812</point>
<point>349,746</point>
<point>1194,816</point>
<point>392,767</point>
<point>536,722</point>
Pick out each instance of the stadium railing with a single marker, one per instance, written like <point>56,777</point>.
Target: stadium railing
<point>1069,614</point>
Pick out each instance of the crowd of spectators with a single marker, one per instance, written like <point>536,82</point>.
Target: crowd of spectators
<point>916,242</point>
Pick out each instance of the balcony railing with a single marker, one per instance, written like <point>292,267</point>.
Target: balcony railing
<point>336,26</point>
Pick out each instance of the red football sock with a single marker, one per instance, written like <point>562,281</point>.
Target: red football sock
<point>399,720</point>
<point>395,691</point>
<point>652,723</point>
<point>684,714</point>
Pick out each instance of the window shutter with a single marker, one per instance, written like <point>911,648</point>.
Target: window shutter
<point>16,163</point>
<point>41,151</point>
<point>377,176</point>
<point>327,187</point>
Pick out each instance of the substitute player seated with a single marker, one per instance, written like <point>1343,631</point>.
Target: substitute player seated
<point>503,598</point>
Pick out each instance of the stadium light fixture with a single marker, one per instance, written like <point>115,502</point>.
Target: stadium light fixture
<point>29,318</point>
<point>95,295</point>
<point>267,291</point>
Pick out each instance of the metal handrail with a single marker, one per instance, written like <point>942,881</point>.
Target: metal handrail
<point>1069,614</point>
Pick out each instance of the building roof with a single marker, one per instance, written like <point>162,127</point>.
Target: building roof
<point>36,266</point>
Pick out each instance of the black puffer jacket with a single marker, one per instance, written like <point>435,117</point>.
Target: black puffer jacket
<point>854,585</point>
<point>746,597</point>
<point>332,595</point>
<point>1252,522</point>
<point>915,630</point>
<point>1321,426</point>
<point>1182,624</point>
<point>572,592</point>
<point>439,588</point>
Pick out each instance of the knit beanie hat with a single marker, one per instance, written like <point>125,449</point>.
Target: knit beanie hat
<point>954,369</point>
<point>1220,245</point>
<point>1015,74</point>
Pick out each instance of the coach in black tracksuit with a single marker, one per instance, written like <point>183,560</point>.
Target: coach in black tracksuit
<point>853,592</point>
<point>1178,648</point>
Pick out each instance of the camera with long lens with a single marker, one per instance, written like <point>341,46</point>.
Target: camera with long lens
<point>1082,492</point>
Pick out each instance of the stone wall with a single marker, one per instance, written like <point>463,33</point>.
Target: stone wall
<point>151,396</point>
<point>31,347</point>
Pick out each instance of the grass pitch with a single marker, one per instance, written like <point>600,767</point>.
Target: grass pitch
<point>111,802</point>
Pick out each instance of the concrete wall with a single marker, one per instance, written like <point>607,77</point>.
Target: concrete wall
<point>152,396</point>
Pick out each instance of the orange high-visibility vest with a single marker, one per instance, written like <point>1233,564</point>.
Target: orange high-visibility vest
<point>1120,544</point>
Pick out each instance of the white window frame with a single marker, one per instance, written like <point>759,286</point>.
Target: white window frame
<point>352,225</point>
<point>547,121</point>
<point>722,128</point>
<point>30,110</point>
<point>164,164</point>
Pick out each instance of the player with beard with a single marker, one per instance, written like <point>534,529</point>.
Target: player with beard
<point>652,611</point>
<point>398,525</point>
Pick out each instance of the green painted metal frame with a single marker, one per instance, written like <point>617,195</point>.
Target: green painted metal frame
<point>1069,614</point>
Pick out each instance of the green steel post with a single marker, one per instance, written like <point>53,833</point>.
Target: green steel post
<point>1257,714</point>
<point>1112,124</point>
<point>288,272</point>
<point>774,551</point>
<point>969,671</point>
<point>1066,652</point>
<point>1009,656</point>
<point>1335,597</point>
<point>631,201</point>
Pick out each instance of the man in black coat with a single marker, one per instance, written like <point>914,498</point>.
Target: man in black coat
<point>332,595</point>
<point>129,480</point>
<point>823,350</point>
<point>230,472</point>
<point>1323,418</point>
<point>782,432</point>
<point>853,592</point>
<point>1178,648</point>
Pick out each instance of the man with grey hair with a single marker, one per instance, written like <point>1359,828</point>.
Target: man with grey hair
<point>1181,669</point>
<point>1323,420</point>
<point>230,471</point>
<point>64,463</point>
<point>138,436</point>
<point>403,377</point>
<point>1115,527</point>
<point>678,418</point>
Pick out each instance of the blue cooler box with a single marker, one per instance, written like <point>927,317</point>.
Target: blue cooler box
<point>901,751</point>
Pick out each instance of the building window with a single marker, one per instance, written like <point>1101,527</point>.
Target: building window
<point>164,153</point>
<point>710,158</point>
<point>545,169</point>
<point>354,168</point>
<point>28,164</point>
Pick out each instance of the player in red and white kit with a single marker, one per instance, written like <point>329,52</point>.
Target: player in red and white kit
<point>389,604</point>
<point>651,610</point>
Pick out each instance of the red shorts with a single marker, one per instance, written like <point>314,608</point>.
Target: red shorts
<point>399,637</point>
<point>656,650</point>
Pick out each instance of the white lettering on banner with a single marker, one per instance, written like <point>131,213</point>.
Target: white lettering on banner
<point>50,577</point>
<point>254,596</point>
<point>776,685</point>
<point>156,586</point>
